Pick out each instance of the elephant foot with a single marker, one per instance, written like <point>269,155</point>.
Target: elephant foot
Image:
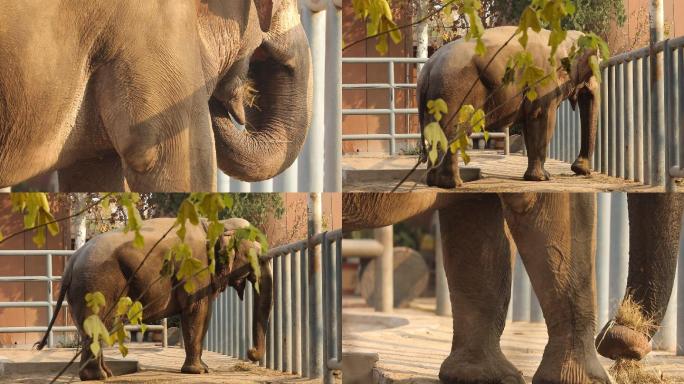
<point>562,366</point>
<point>581,167</point>
<point>93,370</point>
<point>206,367</point>
<point>618,341</point>
<point>537,174</point>
<point>464,367</point>
<point>195,368</point>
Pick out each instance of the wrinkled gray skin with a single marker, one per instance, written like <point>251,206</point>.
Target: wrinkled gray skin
<point>455,67</point>
<point>137,94</point>
<point>106,262</point>
<point>554,234</point>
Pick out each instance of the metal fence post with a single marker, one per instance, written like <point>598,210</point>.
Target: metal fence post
<point>316,289</point>
<point>619,248</point>
<point>50,308</point>
<point>612,129</point>
<point>287,309</point>
<point>628,101</point>
<point>604,121</point>
<point>648,146</point>
<point>297,311</point>
<point>521,291</point>
<point>277,314</point>
<point>333,99</point>
<point>384,271</point>
<point>638,120</point>
<point>620,119</point>
<point>603,226</point>
<point>658,93</point>
<point>443,307</point>
<point>669,76</point>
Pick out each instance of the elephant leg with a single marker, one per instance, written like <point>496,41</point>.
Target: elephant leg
<point>204,332</point>
<point>94,175</point>
<point>478,270</point>
<point>554,233</point>
<point>91,367</point>
<point>537,132</point>
<point>654,229</point>
<point>104,367</point>
<point>589,100</point>
<point>193,324</point>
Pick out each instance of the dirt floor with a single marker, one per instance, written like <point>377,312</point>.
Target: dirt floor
<point>499,174</point>
<point>157,365</point>
<point>413,342</point>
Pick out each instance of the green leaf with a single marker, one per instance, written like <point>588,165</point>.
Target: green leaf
<point>437,108</point>
<point>96,330</point>
<point>123,305</point>
<point>94,301</point>
<point>436,139</point>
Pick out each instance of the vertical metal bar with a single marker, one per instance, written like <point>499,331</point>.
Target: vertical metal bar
<point>620,119</point>
<point>327,308</point>
<point>569,133</point>
<point>230,323</point>
<point>680,107</point>
<point>658,118</point>
<point>165,335</point>
<point>392,116</point>
<point>222,333</point>
<point>612,123</point>
<point>564,130</point>
<point>297,310</point>
<point>507,141</point>
<point>242,348</point>
<point>316,291</point>
<point>333,100</point>
<point>270,340</point>
<point>443,307</point>
<point>669,115</point>
<point>521,291</point>
<point>278,314</point>
<point>604,121</point>
<point>338,296</point>
<point>249,308</point>
<point>50,308</point>
<point>680,286</point>
<point>628,102</point>
<point>306,328</point>
<point>638,120</point>
<point>603,257</point>
<point>287,311</point>
<point>648,146</point>
<point>619,248</point>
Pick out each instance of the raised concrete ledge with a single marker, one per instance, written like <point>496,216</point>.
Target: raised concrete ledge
<point>7,367</point>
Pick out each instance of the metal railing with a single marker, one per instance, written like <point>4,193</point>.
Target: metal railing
<point>392,111</point>
<point>640,118</point>
<point>305,331</point>
<point>48,278</point>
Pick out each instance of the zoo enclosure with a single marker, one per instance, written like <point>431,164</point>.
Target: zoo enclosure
<point>393,112</point>
<point>305,331</point>
<point>49,279</point>
<point>640,117</point>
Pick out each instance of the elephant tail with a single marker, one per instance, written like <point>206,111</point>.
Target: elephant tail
<point>66,282</point>
<point>423,85</point>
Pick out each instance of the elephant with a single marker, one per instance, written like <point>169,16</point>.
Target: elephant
<point>109,260</point>
<point>146,95</point>
<point>555,236</point>
<point>456,67</point>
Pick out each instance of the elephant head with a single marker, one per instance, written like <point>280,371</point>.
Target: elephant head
<point>269,92</point>
<point>263,297</point>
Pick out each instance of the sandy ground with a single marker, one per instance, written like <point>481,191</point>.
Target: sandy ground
<point>500,174</point>
<point>157,365</point>
<point>413,342</point>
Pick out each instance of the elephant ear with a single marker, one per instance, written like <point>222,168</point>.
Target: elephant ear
<point>266,9</point>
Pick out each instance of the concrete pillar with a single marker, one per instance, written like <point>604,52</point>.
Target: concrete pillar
<point>333,98</point>
<point>311,161</point>
<point>80,232</point>
<point>619,249</point>
<point>384,271</point>
<point>222,182</point>
<point>441,286</point>
<point>521,291</point>
<point>603,258</point>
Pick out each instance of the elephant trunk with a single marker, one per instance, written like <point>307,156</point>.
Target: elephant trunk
<point>374,210</point>
<point>263,302</point>
<point>654,229</point>
<point>278,120</point>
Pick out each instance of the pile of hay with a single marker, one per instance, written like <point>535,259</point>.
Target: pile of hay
<point>626,371</point>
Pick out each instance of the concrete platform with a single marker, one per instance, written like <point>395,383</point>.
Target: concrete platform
<point>412,343</point>
<point>380,173</point>
<point>155,365</point>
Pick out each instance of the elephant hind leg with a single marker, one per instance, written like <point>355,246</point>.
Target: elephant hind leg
<point>478,272</point>
<point>91,367</point>
<point>537,133</point>
<point>554,233</point>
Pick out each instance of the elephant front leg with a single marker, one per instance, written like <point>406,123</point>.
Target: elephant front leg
<point>554,233</point>
<point>654,229</point>
<point>537,132</point>
<point>194,321</point>
<point>589,100</point>
<point>478,270</point>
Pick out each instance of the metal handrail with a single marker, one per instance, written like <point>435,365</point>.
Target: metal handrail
<point>49,278</point>
<point>293,341</point>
